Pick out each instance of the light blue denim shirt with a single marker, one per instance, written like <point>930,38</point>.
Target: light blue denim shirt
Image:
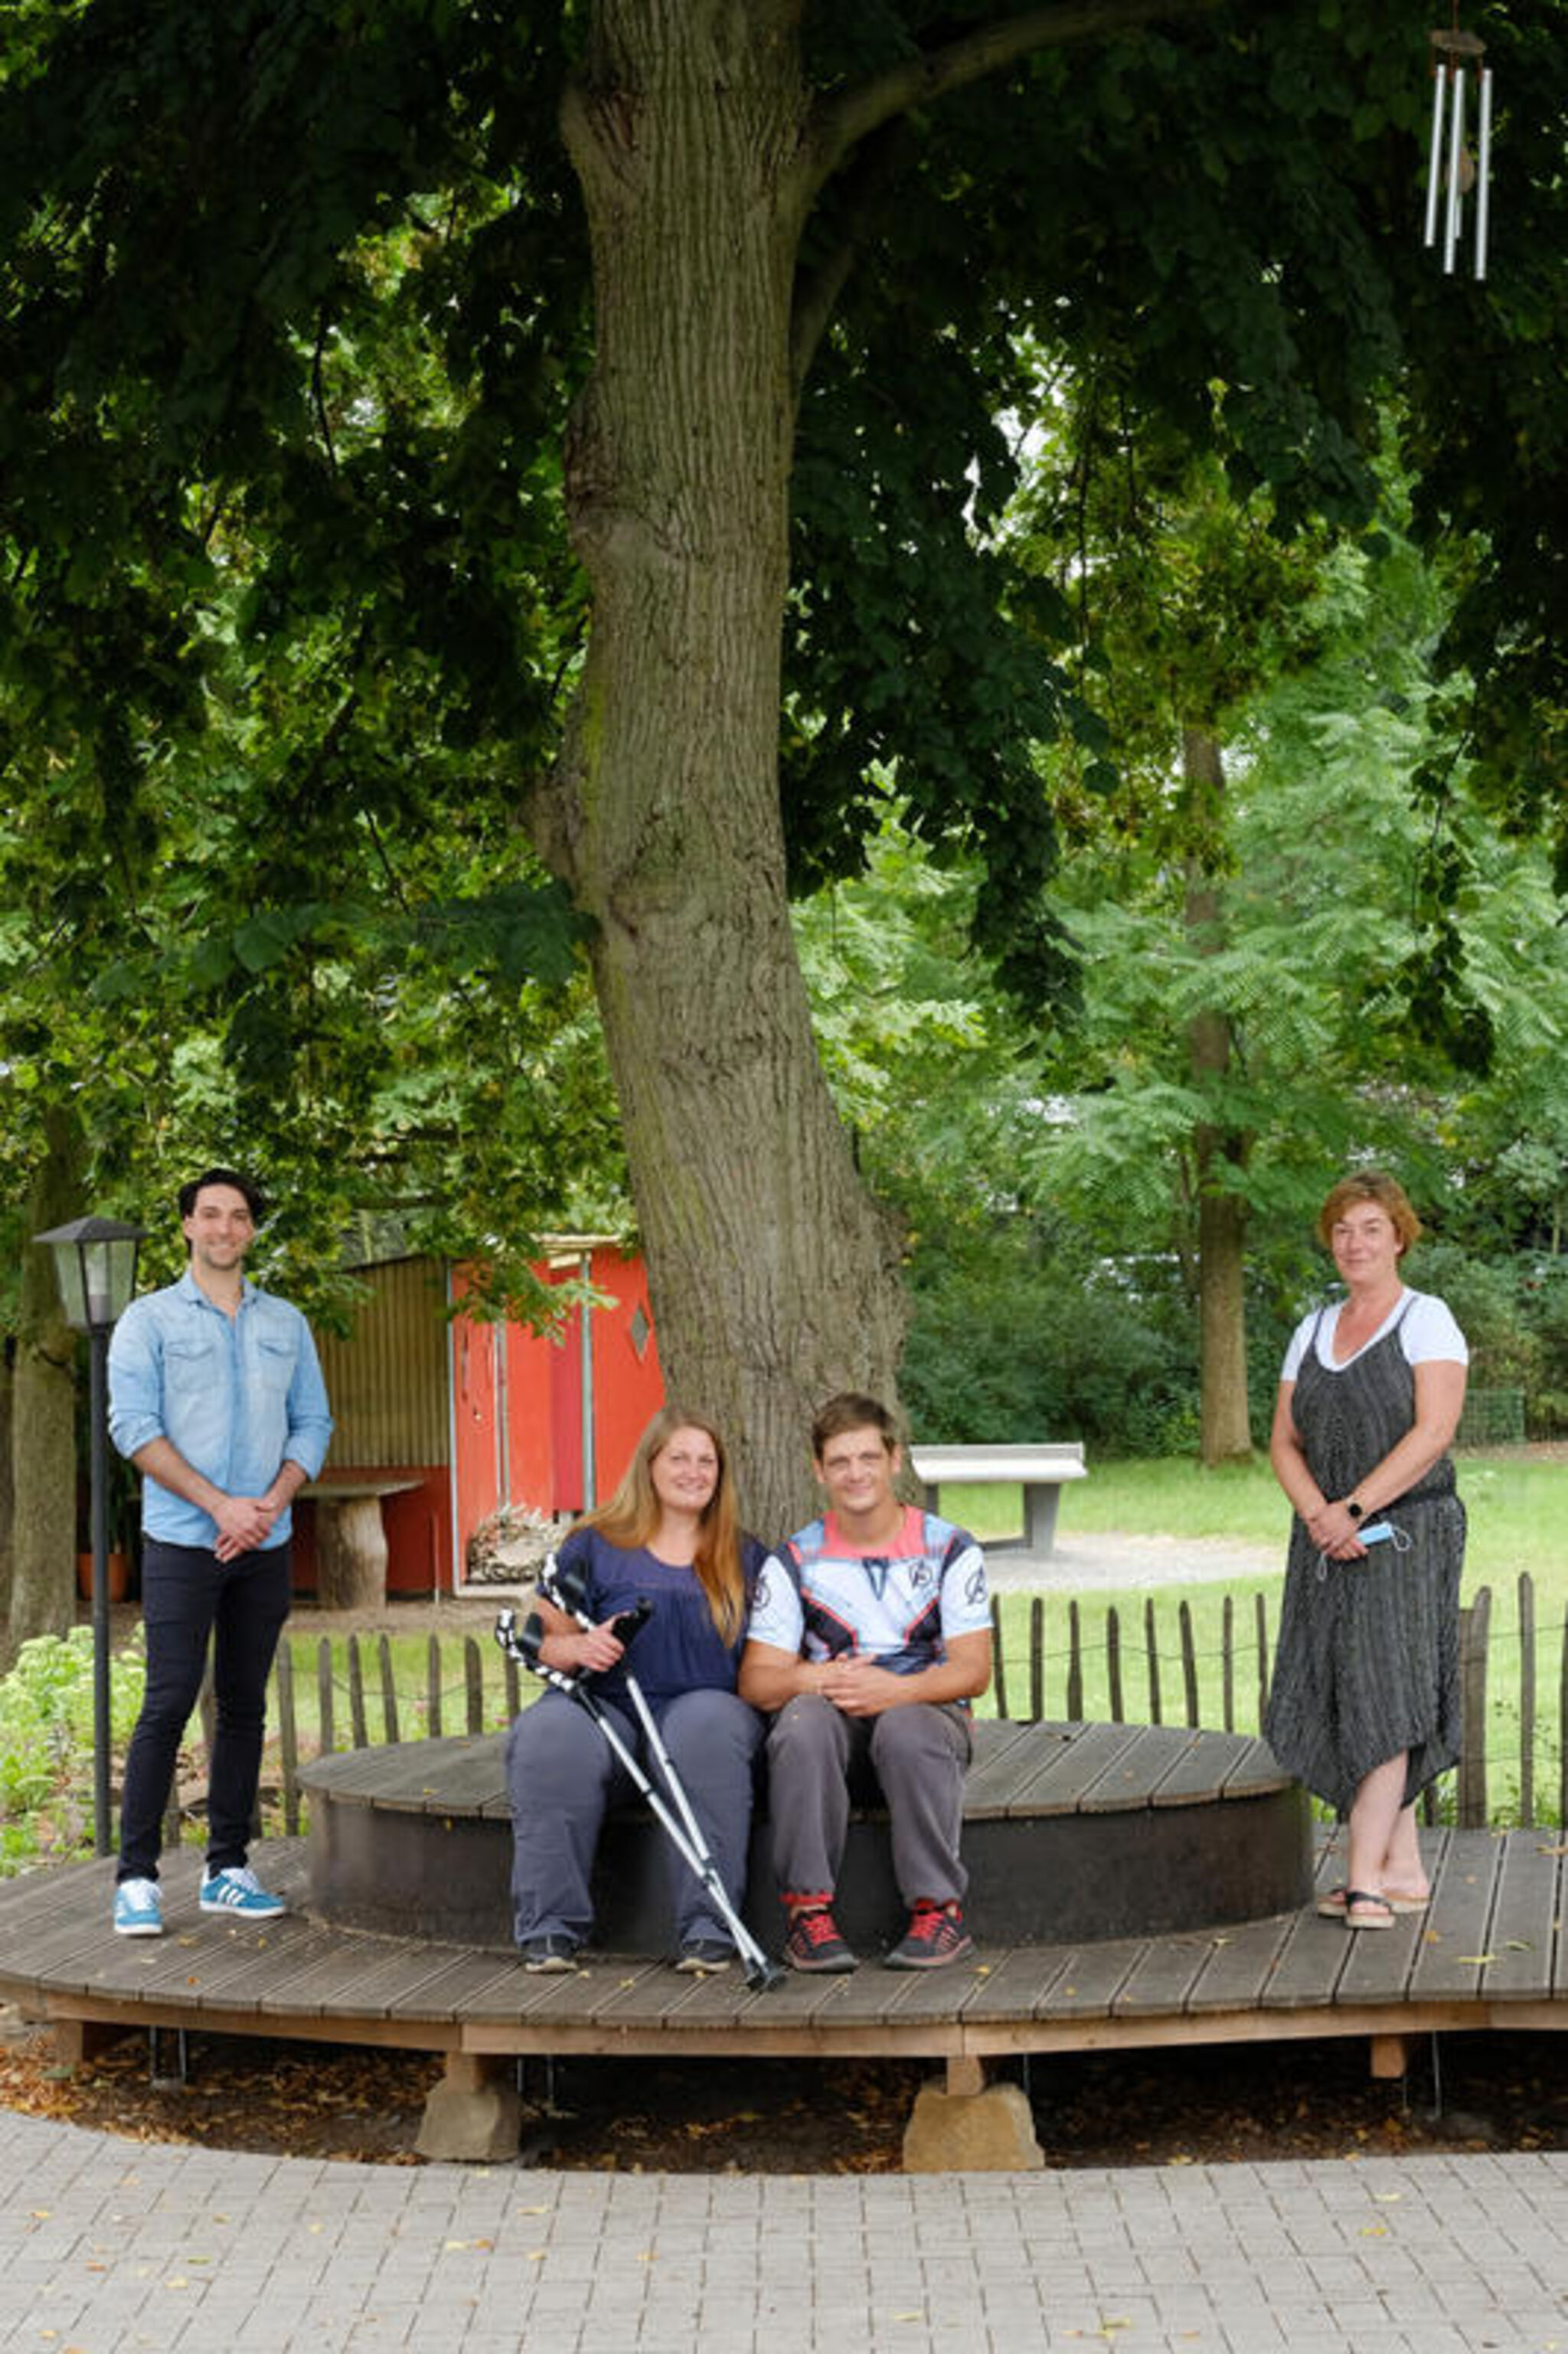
<point>237,1396</point>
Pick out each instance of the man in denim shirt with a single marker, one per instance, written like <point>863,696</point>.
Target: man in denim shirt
<point>216,1394</point>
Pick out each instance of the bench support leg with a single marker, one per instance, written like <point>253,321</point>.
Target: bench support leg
<point>78,2042</point>
<point>968,2126</point>
<point>1390,2054</point>
<point>473,2112</point>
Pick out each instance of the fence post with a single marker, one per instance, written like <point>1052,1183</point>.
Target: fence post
<point>1113,1663</point>
<point>388,1688</point>
<point>1526,1697</point>
<point>1189,1659</point>
<point>1260,1628</point>
<point>288,1738</point>
<point>998,1656</point>
<point>433,1687</point>
<point>473,1680</point>
<point>1075,1664</point>
<point>358,1737</point>
<point>1152,1646</point>
<point>326,1741</point>
<point>1036,1656</point>
<point>1474,1629</point>
<point>1228,1665</point>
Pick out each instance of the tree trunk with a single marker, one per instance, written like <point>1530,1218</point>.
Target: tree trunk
<point>7,1488</point>
<point>43,1409</point>
<point>1226,1424</point>
<point>774,1277</point>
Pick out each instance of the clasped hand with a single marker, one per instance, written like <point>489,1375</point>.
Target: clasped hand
<point>859,1687</point>
<point>1334,1531</point>
<point>244,1523</point>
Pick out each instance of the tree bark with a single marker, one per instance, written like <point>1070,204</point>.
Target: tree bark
<point>43,1409</point>
<point>774,1277</point>
<point>1224,1421</point>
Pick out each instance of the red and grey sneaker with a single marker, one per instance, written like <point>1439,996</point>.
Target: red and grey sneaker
<point>936,1936</point>
<point>814,1943</point>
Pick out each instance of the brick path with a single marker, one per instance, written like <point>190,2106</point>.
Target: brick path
<point>107,2246</point>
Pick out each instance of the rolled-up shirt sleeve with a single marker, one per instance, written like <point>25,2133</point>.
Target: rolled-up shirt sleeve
<point>136,1381</point>
<point>310,1419</point>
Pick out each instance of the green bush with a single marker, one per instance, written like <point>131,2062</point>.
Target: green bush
<point>45,1741</point>
<point>1007,1345</point>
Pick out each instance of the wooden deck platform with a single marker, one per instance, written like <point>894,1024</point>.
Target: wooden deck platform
<point>1489,1953</point>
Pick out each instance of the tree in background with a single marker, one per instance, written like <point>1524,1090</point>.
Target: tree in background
<point>806,229</point>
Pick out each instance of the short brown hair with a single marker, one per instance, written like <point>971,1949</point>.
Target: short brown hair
<point>1371,1185</point>
<point>850,1410</point>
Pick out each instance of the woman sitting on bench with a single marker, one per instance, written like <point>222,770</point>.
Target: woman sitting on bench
<point>668,1536</point>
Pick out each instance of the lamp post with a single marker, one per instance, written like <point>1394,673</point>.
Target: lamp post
<point>95,1265</point>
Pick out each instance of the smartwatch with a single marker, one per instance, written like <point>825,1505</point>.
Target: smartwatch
<point>1354,1510</point>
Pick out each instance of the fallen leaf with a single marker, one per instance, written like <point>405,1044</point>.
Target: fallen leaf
<point>1473,1961</point>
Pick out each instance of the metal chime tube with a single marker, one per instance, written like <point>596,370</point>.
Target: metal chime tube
<point>1483,171</point>
<point>1455,151</point>
<point>1435,162</point>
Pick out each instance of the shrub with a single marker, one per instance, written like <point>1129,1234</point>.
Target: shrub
<point>45,1741</point>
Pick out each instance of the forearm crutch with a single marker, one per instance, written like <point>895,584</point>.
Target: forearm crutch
<point>522,1643</point>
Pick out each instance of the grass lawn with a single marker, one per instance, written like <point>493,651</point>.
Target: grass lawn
<point>1518,1509</point>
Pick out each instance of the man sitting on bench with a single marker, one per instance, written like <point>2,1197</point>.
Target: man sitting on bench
<point>868,1635</point>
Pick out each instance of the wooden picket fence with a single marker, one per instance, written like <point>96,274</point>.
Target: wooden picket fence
<point>355,1699</point>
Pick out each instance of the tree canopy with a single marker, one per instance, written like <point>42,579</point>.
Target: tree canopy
<point>605,410</point>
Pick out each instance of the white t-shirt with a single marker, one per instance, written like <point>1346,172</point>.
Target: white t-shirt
<point>1428,1332</point>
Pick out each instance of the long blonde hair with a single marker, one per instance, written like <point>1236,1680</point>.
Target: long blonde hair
<point>631,1517</point>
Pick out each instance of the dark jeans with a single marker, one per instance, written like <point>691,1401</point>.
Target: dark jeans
<point>188,1597</point>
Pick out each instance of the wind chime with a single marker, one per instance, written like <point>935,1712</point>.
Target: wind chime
<point>1455,54</point>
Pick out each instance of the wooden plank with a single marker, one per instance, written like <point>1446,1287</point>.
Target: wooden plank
<point>1128,1777</point>
<point>1257,1772</point>
<point>1056,1787</point>
<point>1241,1963</point>
<point>1379,1961</point>
<point>1087,1987</point>
<point>1200,1768</point>
<point>908,1998</point>
<point>1523,1937</point>
<point>1453,1930</point>
<point>1019,1983</point>
<point>1002,1764</point>
<point>1163,1977</point>
<point>1307,1968</point>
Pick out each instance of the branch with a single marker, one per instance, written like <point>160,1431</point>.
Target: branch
<point>818,291</point>
<point>915,81</point>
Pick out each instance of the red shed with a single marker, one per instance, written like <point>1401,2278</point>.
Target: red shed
<point>442,1417</point>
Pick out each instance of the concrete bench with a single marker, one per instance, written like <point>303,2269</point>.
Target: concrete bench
<point>1040,1471</point>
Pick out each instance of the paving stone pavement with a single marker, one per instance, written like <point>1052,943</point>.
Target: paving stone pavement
<point>110,2246</point>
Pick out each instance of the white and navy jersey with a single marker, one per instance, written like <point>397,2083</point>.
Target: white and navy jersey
<point>823,1597</point>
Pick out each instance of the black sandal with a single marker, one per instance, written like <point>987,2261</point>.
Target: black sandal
<point>1382,1919</point>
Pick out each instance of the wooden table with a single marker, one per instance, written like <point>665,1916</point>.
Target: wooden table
<point>1040,1472</point>
<point>351,1540</point>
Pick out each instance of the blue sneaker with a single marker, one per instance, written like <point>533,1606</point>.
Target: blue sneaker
<point>237,1889</point>
<point>138,1909</point>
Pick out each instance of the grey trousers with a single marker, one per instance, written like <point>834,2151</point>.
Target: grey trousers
<point>562,1774</point>
<point>918,1755</point>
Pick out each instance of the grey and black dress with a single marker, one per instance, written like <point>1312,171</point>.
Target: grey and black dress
<point>1368,1662</point>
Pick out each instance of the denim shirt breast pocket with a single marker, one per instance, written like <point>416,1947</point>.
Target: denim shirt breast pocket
<point>273,1359</point>
<point>192,1366</point>
<point>196,1399</point>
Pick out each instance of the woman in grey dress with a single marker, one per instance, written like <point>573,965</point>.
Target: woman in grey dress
<point>1365,1707</point>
